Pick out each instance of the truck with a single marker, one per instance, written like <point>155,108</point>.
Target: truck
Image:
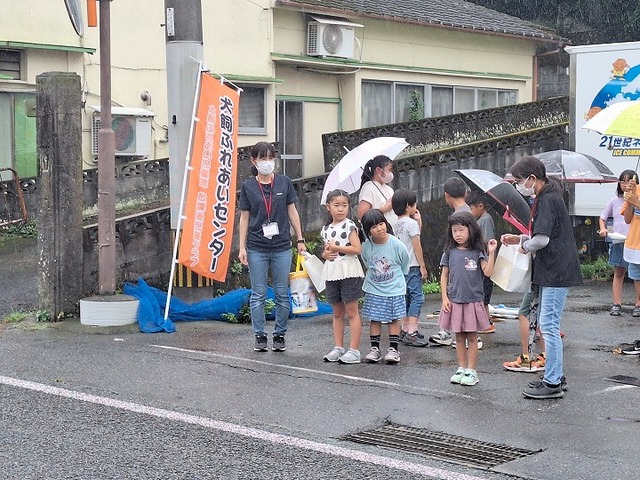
<point>601,75</point>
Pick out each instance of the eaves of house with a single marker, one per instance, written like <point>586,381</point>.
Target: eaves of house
<point>451,14</point>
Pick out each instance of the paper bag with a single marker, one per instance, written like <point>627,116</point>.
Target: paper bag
<point>313,266</point>
<point>303,293</point>
<point>512,271</point>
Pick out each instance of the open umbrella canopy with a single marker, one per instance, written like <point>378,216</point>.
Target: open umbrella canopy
<point>574,167</point>
<point>620,119</point>
<point>346,175</point>
<point>502,196</point>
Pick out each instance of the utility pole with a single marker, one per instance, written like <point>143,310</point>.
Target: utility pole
<point>183,29</point>
<point>106,164</point>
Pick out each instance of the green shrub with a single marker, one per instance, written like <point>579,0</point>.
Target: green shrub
<point>431,286</point>
<point>599,270</point>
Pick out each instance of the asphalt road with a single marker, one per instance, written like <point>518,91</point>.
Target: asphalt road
<point>76,402</point>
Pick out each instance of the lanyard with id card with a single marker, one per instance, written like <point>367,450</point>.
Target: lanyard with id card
<point>269,229</point>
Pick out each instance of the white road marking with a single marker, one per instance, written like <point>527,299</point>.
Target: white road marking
<point>370,381</point>
<point>613,389</point>
<point>240,430</point>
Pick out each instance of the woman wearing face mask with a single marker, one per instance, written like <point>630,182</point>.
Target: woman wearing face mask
<point>555,265</point>
<point>375,191</point>
<point>267,212</point>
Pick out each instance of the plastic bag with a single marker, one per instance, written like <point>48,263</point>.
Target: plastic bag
<point>512,271</point>
<point>313,266</point>
<point>303,293</point>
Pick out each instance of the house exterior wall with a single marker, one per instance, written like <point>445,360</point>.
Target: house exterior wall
<point>240,39</point>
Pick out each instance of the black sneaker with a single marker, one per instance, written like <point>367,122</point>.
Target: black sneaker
<point>278,343</point>
<point>542,391</point>
<point>632,348</point>
<point>616,310</point>
<point>563,383</point>
<point>261,343</point>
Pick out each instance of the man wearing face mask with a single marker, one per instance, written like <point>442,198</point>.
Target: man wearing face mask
<point>556,266</point>
<point>267,213</point>
<point>375,191</point>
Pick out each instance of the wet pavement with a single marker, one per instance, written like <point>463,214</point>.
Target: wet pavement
<point>210,369</point>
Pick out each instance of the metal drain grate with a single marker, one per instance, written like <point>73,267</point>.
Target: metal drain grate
<point>444,446</point>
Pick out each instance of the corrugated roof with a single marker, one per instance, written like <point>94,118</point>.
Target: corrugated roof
<point>456,14</point>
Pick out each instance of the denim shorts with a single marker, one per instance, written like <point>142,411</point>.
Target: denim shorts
<point>634,271</point>
<point>616,251</point>
<point>344,291</point>
<point>415,296</point>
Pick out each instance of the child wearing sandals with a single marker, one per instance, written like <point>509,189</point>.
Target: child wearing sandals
<point>387,263</point>
<point>343,274</point>
<point>464,262</point>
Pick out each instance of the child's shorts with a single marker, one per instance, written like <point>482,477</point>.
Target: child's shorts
<point>384,309</point>
<point>415,296</point>
<point>525,305</point>
<point>616,252</point>
<point>344,291</point>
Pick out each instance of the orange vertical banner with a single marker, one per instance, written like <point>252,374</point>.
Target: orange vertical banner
<point>207,233</point>
<point>92,13</point>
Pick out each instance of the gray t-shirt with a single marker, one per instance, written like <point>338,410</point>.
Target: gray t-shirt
<point>488,228</point>
<point>465,275</point>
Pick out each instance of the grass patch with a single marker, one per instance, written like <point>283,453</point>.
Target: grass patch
<point>598,270</point>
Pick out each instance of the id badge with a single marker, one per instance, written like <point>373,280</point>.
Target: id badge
<point>270,229</point>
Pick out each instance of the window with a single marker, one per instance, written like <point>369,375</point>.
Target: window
<point>289,132</point>
<point>464,100</point>
<point>10,64</point>
<point>409,102</point>
<point>377,107</point>
<point>389,102</point>
<point>441,101</point>
<point>252,113</point>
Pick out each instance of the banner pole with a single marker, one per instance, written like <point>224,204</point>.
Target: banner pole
<point>187,169</point>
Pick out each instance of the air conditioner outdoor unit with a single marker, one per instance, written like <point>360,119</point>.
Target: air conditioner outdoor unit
<point>132,133</point>
<point>330,39</point>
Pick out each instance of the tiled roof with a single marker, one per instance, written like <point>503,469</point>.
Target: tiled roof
<point>456,14</point>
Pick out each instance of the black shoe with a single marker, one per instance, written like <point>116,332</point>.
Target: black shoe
<point>616,310</point>
<point>542,391</point>
<point>563,382</point>
<point>414,340</point>
<point>261,343</point>
<point>278,343</point>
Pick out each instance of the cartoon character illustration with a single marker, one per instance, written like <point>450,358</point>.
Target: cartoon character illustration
<point>382,265</point>
<point>620,67</point>
<point>592,111</point>
<point>470,264</point>
<point>623,86</point>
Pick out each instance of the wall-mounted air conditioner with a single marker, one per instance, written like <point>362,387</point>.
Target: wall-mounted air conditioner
<point>330,38</point>
<point>131,128</point>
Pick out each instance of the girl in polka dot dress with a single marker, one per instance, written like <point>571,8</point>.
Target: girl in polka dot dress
<point>343,274</point>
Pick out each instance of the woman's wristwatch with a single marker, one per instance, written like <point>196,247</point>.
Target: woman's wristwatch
<point>301,240</point>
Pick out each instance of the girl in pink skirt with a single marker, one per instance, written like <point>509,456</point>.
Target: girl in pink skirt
<point>464,263</point>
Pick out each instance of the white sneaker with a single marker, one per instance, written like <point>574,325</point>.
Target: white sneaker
<point>334,355</point>
<point>352,356</point>
<point>392,356</point>
<point>374,355</point>
<point>441,338</point>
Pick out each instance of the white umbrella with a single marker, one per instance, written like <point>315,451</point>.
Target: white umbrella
<point>621,119</point>
<point>346,175</point>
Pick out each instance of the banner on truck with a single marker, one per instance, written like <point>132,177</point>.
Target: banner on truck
<point>207,232</point>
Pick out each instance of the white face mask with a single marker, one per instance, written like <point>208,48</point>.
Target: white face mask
<point>525,191</point>
<point>388,177</point>
<point>265,167</point>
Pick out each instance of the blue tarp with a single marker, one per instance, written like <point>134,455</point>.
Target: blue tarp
<point>153,301</point>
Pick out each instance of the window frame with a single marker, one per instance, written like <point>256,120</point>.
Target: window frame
<point>253,130</point>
